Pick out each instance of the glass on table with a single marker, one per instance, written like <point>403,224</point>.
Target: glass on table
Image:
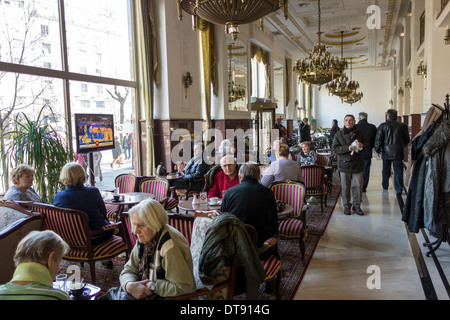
<point>61,282</point>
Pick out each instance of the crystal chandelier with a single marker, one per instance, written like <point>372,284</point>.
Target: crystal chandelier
<point>230,13</point>
<point>321,67</point>
<point>342,86</point>
<point>235,92</point>
<point>353,98</point>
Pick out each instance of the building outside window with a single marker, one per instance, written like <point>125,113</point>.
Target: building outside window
<point>98,34</point>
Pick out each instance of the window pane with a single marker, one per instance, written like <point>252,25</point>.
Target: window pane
<point>30,33</point>
<point>29,96</point>
<point>99,38</point>
<point>119,101</point>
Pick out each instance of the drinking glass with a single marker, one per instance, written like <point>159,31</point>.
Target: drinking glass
<point>61,281</point>
<point>116,191</point>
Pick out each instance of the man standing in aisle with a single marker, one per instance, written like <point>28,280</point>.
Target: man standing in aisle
<point>348,145</point>
<point>305,131</point>
<point>392,137</point>
<point>370,133</point>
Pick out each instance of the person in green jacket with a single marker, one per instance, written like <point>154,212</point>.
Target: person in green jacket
<point>37,259</point>
<point>160,264</point>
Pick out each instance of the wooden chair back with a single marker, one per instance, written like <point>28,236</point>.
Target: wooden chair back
<point>126,182</point>
<point>292,193</point>
<point>156,186</point>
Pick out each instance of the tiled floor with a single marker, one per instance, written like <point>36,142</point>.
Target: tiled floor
<point>351,245</point>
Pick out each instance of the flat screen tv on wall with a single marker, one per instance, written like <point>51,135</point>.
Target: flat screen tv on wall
<point>94,132</point>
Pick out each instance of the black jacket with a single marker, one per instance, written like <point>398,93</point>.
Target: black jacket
<point>392,137</point>
<point>305,132</point>
<point>370,133</point>
<point>346,161</point>
<point>255,205</point>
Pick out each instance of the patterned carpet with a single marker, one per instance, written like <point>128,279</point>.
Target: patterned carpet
<point>293,269</point>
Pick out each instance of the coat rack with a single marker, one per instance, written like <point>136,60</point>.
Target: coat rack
<point>444,232</point>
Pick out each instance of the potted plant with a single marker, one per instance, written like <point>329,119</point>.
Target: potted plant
<point>41,146</point>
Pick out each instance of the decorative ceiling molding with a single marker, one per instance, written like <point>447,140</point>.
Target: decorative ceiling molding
<point>344,43</point>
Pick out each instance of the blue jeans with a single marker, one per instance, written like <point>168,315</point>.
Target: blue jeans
<point>398,174</point>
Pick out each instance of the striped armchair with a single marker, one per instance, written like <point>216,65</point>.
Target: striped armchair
<point>126,182</point>
<point>293,227</point>
<point>160,188</point>
<point>271,264</point>
<point>314,178</point>
<point>73,227</point>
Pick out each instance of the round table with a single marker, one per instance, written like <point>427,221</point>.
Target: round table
<point>126,199</point>
<point>189,207</point>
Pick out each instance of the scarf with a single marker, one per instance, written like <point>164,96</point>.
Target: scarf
<point>147,258</point>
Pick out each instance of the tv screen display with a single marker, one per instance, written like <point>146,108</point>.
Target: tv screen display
<point>94,132</point>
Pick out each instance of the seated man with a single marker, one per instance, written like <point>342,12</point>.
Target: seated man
<point>225,178</point>
<point>253,203</point>
<point>195,170</point>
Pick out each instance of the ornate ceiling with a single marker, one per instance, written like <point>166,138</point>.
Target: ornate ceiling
<point>368,47</point>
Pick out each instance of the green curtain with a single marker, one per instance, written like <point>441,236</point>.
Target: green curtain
<point>148,72</point>
<point>210,74</point>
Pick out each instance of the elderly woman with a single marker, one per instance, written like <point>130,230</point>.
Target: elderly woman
<point>282,169</point>
<point>22,178</point>
<point>160,264</point>
<point>307,157</point>
<point>37,258</point>
<point>86,199</point>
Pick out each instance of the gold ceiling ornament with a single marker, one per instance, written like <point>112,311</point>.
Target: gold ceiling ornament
<point>343,86</point>
<point>351,34</point>
<point>331,43</point>
<point>230,13</point>
<point>401,92</point>
<point>320,67</point>
<point>235,92</point>
<point>408,84</point>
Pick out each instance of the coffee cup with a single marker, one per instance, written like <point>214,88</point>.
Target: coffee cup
<point>116,198</point>
<point>77,288</point>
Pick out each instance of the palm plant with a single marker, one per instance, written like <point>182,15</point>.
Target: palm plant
<point>39,145</point>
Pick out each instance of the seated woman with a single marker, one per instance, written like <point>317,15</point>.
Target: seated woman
<point>160,264</point>
<point>195,170</point>
<point>37,258</point>
<point>225,178</point>
<point>22,178</point>
<point>86,199</point>
<point>282,169</point>
<point>307,157</point>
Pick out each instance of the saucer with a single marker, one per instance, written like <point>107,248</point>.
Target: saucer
<point>218,203</point>
<point>115,200</point>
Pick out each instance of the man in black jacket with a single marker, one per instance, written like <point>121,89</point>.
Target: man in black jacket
<point>253,203</point>
<point>370,133</point>
<point>348,145</point>
<point>305,131</point>
<point>392,137</point>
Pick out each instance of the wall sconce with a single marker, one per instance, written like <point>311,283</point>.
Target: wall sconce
<point>422,70</point>
<point>401,92</point>
<point>447,37</point>
<point>408,84</point>
<point>187,80</point>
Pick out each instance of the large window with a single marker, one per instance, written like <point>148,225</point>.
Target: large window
<point>76,56</point>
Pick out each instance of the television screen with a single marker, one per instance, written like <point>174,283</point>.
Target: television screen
<point>94,132</point>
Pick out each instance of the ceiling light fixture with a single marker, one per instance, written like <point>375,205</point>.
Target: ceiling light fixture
<point>230,13</point>
<point>320,67</point>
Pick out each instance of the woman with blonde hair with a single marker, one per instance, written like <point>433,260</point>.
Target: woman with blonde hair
<point>160,264</point>
<point>307,157</point>
<point>22,178</point>
<point>86,199</point>
<point>37,258</point>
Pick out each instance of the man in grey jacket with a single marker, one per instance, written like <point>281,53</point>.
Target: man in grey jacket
<point>348,145</point>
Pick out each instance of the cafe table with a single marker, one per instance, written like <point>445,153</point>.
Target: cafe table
<point>195,209</point>
<point>126,200</point>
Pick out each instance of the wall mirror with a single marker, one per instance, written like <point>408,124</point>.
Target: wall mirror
<point>237,75</point>
<point>278,86</point>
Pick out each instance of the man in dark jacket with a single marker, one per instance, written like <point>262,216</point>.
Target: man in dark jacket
<point>370,133</point>
<point>305,131</point>
<point>392,137</point>
<point>348,145</point>
<point>252,203</point>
